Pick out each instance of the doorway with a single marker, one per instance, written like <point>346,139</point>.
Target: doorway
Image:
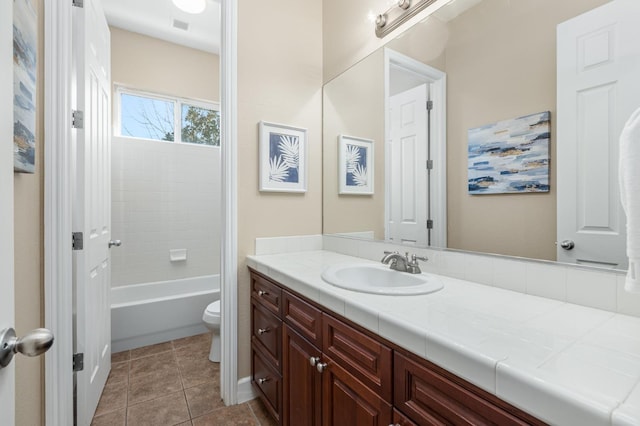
<point>57,215</point>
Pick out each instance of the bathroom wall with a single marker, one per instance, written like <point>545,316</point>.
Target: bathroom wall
<point>155,65</point>
<point>29,260</point>
<point>279,80</point>
<point>164,196</point>
<point>472,50</point>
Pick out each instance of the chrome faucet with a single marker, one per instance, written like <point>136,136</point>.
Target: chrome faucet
<point>402,263</point>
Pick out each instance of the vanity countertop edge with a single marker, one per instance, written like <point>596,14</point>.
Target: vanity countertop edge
<point>563,363</point>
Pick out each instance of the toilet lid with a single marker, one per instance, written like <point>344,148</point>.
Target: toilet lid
<point>214,308</point>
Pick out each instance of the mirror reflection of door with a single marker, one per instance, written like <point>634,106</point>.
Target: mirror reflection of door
<point>598,89</point>
<point>411,189</point>
<point>409,195</point>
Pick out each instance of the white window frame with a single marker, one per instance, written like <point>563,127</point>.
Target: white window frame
<point>177,111</point>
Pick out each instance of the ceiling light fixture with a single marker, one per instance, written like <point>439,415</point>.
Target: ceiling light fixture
<point>191,6</point>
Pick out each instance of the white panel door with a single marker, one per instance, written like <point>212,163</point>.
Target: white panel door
<point>92,205</point>
<point>409,189</point>
<point>7,374</point>
<point>598,89</point>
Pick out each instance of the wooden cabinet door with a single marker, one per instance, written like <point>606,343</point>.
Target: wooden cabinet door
<point>302,394</point>
<point>400,419</point>
<point>346,401</point>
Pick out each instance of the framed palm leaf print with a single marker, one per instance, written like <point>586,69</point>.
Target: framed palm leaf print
<point>283,158</point>
<point>355,158</point>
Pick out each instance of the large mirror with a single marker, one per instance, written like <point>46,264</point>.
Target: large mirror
<point>483,64</point>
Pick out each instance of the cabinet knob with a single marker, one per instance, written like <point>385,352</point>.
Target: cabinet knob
<point>314,360</point>
<point>262,293</point>
<point>321,366</point>
<point>263,330</point>
<point>263,380</point>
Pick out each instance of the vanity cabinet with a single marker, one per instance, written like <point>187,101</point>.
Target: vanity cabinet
<point>332,374</point>
<point>312,367</point>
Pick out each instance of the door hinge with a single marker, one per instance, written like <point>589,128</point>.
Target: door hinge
<point>429,223</point>
<point>77,3</point>
<point>77,121</point>
<point>429,164</point>
<point>77,240</point>
<point>429,105</point>
<point>78,362</point>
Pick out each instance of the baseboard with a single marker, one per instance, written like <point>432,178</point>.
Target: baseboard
<point>245,390</point>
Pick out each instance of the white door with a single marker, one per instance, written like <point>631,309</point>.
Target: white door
<point>408,197</point>
<point>92,201</point>
<point>598,89</point>
<point>7,374</point>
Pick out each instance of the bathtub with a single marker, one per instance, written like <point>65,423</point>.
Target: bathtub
<point>149,313</point>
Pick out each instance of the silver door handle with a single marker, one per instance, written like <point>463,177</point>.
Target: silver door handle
<point>34,343</point>
<point>116,243</point>
<point>567,244</point>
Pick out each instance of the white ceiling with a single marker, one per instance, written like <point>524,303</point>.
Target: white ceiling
<point>155,18</point>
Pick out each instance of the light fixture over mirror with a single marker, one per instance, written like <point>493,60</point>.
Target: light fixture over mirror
<point>191,6</point>
<point>402,11</point>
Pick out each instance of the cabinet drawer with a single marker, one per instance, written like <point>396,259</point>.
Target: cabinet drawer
<point>303,317</point>
<point>430,396</point>
<point>268,383</point>
<point>367,359</point>
<point>267,333</point>
<point>266,293</point>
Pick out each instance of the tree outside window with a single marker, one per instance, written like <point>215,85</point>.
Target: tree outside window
<point>155,118</point>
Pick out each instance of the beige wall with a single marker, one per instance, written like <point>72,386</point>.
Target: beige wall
<point>349,102</point>
<point>152,65</point>
<point>348,32</point>
<point>485,83</point>
<point>279,80</point>
<point>29,270</point>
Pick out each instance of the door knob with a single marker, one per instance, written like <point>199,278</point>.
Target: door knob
<point>116,243</point>
<point>34,343</point>
<point>567,244</point>
<point>321,366</point>
<point>314,360</point>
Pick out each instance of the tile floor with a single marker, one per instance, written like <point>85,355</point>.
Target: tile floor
<point>171,383</point>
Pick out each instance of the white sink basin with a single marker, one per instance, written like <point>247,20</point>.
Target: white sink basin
<point>379,279</point>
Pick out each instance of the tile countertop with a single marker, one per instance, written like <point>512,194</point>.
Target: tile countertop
<point>565,364</point>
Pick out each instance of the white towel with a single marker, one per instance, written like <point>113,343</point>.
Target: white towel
<point>630,196</point>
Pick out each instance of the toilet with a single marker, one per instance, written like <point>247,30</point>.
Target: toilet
<point>211,318</point>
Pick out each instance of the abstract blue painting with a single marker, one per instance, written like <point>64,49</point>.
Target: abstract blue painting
<point>356,165</point>
<point>25,36</point>
<point>282,158</point>
<point>510,156</point>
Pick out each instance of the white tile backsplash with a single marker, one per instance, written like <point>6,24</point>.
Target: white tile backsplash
<point>546,280</point>
<point>578,285</point>
<point>510,275</point>
<point>589,288</point>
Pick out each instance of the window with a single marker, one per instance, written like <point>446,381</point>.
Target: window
<point>148,116</point>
